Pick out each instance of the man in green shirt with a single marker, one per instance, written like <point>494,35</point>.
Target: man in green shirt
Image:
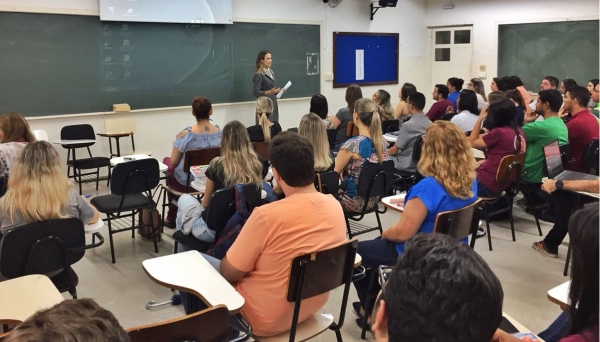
<point>539,133</point>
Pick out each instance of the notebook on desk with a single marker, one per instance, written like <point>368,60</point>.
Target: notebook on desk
<point>555,167</point>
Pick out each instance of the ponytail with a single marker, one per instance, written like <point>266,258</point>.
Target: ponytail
<point>263,121</point>
<point>376,135</point>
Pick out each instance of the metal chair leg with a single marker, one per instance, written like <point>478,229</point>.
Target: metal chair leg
<point>367,306</point>
<point>112,245</point>
<point>510,217</point>
<point>487,224</point>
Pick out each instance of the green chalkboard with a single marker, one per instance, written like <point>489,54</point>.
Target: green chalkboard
<point>566,49</point>
<point>63,64</point>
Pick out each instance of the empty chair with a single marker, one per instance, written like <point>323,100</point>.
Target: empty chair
<point>83,132</point>
<point>131,187</point>
<point>116,128</point>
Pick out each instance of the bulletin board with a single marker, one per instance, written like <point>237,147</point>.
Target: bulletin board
<point>365,58</point>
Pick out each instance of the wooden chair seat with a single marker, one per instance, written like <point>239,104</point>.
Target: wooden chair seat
<point>313,326</point>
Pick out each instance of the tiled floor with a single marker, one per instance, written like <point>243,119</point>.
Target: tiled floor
<point>124,288</point>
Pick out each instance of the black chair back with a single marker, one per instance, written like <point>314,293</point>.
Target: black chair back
<point>327,182</point>
<point>460,223</point>
<point>135,177</point>
<point>42,247</point>
<point>3,185</point>
<point>417,148</point>
<point>589,159</point>
<point>222,206</point>
<point>293,129</point>
<point>201,156</point>
<point>331,137</point>
<point>78,132</point>
<point>565,155</point>
<point>319,272</point>
<point>388,126</point>
<point>373,181</point>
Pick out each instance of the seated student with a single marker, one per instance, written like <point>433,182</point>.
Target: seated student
<point>468,113</point>
<point>498,84</point>
<point>382,98</point>
<point>515,97</point>
<point>14,135</point>
<point>539,133</point>
<point>441,106</point>
<point>401,112</point>
<point>265,130</point>
<point>311,128</point>
<point>449,184</point>
<point>596,99</point>
<point>590,87</point>
<point>503,139</point>
<point>367,147</point>
<point>568,200</point>
<point>454,85</point>
<point>520,87</point>
<point>237,164</point>
<point>72,320</point>
<point>582,127</point>
<point>38,190</point>
<point>477,86</point>
<point>566,84</point>
<point>410,131</point>
<point>305,221</point>
<point>439,291</point>
<point>319,106</point>
<point>344,115</point>
<point>580,322</point>
<point>202,135</point>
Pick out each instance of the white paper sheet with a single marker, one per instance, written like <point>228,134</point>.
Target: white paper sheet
<point>360,65</point>
<point>280,93</point>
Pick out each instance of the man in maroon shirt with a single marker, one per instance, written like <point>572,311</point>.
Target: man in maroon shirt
<point>442,106</point>
<point>582,127</point>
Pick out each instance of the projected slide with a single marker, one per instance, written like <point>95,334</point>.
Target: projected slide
<point>172,11</point>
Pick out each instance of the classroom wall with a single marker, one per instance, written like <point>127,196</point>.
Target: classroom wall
<point>486,15</point>
<point>157,129</point>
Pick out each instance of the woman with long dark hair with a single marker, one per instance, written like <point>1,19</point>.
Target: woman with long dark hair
<point>467,110</point>
<point>401,112</point>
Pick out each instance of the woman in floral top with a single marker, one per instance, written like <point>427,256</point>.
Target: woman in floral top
<point>366,147</point>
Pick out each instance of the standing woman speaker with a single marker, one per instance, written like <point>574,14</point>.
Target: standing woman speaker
<point>264,81</point>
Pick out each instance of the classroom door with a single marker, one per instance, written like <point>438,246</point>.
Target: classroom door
<point>451,54</point>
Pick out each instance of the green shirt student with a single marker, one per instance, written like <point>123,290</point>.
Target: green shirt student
<point>537,134</point>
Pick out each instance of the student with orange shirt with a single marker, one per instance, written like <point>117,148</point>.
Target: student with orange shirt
<point>258,262</point>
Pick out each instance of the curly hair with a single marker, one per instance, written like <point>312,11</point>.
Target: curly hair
<point>446,155</point>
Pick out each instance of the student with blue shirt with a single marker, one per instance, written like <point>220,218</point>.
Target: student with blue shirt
<point>455,85</point>
<point>449,184</point>
<point>202,135</point>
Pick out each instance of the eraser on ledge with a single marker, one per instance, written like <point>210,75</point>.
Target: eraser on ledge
<point>121,107</point>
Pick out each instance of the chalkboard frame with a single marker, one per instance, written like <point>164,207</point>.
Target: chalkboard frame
<point>337,69</point>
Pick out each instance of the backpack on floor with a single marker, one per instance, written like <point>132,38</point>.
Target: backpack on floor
<point>233,227</point>
<point>146,230</point>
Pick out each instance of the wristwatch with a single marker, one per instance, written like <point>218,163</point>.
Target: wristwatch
<point>559,184</point>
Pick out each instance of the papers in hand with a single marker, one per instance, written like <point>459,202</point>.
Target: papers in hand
<point>280,93</point>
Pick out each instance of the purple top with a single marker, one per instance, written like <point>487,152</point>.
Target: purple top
<point>500,142</point>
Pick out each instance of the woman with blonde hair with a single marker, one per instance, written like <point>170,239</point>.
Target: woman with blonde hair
<point>14,135</point>
<point>448,168</point>
<point>311,126</point>
<point>237,164</point>
<point>367,147</point>
<point>265,130</point>
<point>383,98</point>
<point>38,191</point>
